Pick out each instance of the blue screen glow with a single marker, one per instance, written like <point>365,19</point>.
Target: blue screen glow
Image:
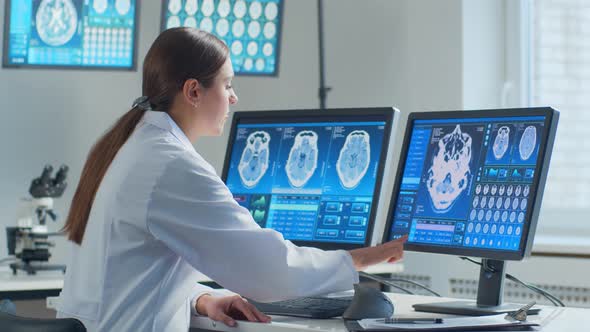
<point>71,33</point>
<point>468,183</point>
<point>309,181</point>
<point>250,28</point>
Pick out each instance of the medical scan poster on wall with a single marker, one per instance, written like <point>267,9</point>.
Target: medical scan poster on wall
<point>70,33</point>
<point>250,28</point>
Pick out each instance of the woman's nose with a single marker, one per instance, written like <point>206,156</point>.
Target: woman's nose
<point>233,99</point>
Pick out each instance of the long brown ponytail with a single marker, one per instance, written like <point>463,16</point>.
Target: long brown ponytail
<point>176,55</point>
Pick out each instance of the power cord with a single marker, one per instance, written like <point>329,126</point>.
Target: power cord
<point>552,298</point>
<point>417,284</point>
<point>384,281</point>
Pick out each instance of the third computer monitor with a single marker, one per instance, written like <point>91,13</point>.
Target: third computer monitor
<point>313,175</point>
<point>470,182</point>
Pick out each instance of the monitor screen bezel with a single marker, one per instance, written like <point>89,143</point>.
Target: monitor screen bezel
<point>279,38</point>
<point>546,146</point>
<point>317,115</point>
<point>5,45</point>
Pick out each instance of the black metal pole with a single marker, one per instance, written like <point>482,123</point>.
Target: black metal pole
<point>323,90</point>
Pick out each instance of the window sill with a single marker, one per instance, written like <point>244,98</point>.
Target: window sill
<point>566,245</point>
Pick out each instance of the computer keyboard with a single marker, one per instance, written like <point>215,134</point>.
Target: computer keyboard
<point>309,307</point>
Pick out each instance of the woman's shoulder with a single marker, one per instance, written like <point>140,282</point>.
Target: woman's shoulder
<point>188,175</point>
<point>191,162</point>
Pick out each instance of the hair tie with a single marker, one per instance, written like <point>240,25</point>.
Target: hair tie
<point>142,103</point>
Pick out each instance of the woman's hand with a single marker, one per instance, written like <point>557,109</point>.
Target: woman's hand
<point>228,308</point>
<point>391,251</point>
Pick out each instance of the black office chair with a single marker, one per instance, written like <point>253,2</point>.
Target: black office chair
<point>10,323</point>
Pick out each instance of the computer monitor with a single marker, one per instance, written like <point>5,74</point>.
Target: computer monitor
<point>250,28</point>
<point>470,183</point>
<point>313,175</point>
<point>70,34</point>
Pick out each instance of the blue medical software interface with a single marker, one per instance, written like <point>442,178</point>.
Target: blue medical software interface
<point>468,183</point>
<point>90,33</point>
<point>309,181</point>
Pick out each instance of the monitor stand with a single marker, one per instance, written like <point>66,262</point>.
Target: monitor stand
<point>489,295</point>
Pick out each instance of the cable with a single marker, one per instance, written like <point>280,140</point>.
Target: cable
<point>552,298</point>
<point>473,261</point>
<point>384,282</point>
<point>555,300</point>
<point>415,284</point>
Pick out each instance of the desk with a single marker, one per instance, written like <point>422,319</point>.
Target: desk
<point>556,319</point>
<point>29,287</point>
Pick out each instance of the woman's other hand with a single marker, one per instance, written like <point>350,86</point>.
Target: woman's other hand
<point>391,251</point>
<point>227,309</point>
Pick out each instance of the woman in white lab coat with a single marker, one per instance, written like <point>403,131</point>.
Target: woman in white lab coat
<point>149,212</point>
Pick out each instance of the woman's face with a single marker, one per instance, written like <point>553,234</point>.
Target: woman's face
<point>217,99</point>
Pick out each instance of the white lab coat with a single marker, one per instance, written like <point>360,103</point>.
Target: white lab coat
<point>160,214</point>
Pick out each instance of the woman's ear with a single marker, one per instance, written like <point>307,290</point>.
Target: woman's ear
<point>192,91</point>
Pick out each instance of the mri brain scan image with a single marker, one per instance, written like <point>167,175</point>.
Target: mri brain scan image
<point>123,6</point>
<point>303,158</point>
<point>354,158</point>
<point>56,21</point>
<point>527,142</point>
<point>174,6</point>
<point>208,7</point>
<point>224,8</point>
<point>254,161</point>
<point>172,22</point>
<point>449,174</point>
<point>190,7</point>
<point>501,142</point>
<point>100,6</point>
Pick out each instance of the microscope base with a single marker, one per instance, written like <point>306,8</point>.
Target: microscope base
<point>32,269</point>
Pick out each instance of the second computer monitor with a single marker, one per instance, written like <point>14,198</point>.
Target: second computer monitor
<point>471,182</point>
<point>313,175</point>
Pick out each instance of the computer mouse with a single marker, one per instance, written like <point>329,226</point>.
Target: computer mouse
<point>368,303</point>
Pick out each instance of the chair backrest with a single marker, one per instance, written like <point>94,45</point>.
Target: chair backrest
<point>9,323</point>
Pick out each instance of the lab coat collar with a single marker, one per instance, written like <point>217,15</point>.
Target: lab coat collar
<point>164,121</point>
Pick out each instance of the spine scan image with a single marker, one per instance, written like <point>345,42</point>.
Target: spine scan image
<point>354,158</point>
<point>254,161</point>
<point>449,174</point>
<point>56,21</point>
<point>527,142</point>
<point>501,142</point>
<point>303,158</point>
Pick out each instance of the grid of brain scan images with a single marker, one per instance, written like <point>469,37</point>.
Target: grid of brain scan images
<point>71,33</point>
<point>468,182</point>
<point>309,181</point>
<point>250,28</point>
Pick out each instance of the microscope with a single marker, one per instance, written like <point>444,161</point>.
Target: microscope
<point>28,242</point>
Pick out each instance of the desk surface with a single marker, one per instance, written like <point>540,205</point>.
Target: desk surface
<point>43,280</point>
<point>553,319</point>
<point>51,280</point>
